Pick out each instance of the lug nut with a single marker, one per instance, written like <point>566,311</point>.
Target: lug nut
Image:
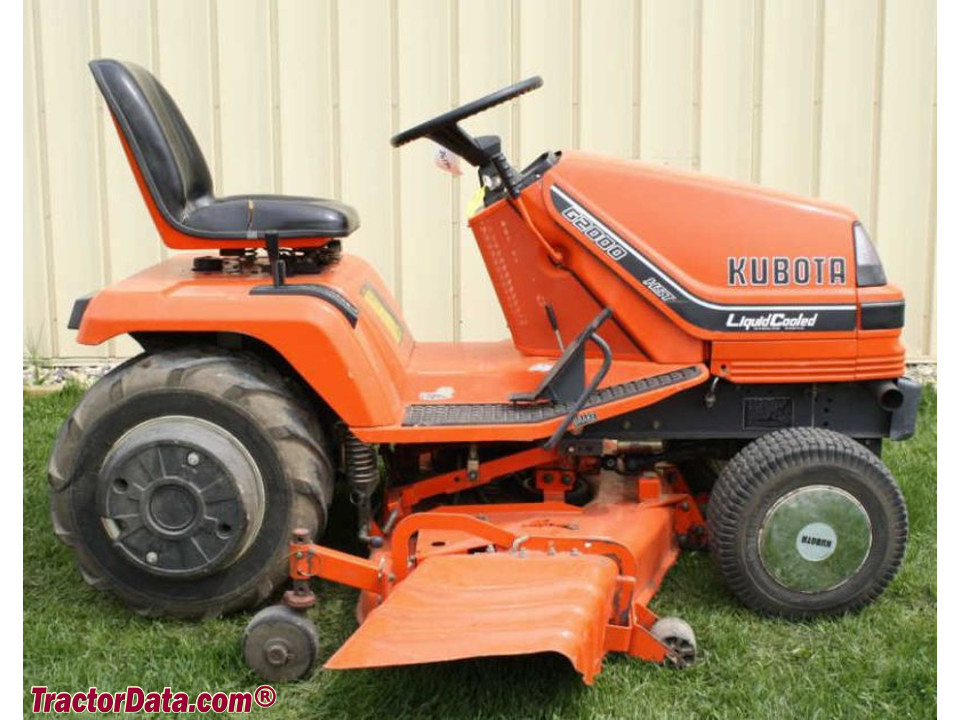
<point>193,459</point>
<point>152,557</point>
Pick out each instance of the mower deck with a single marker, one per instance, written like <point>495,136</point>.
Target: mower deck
<point>512,579</point>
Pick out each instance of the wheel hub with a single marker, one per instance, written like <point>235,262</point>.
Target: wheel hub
<point>815,538</point>
<point>173,507</point>
<point>180,496</point>
<point>277,653</point>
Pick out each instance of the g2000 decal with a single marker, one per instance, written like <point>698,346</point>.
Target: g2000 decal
<point>718,317</point>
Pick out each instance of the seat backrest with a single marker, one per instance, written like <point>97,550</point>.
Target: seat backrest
<point>160,140</point>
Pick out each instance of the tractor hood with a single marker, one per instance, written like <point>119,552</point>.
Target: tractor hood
<point>718,241</point>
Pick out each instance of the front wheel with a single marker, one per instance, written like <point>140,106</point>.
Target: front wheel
<point>806,522</point>
<point>179,478</point>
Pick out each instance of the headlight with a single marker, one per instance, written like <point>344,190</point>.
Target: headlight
<point>869,268</point>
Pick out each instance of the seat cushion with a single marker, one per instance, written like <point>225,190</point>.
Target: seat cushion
<point>253,215</point>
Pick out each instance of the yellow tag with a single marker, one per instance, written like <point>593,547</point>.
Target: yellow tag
<point>390,322</point>
<point>476,202</point>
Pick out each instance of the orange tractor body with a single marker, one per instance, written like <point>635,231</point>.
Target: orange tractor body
<point>516,496</point>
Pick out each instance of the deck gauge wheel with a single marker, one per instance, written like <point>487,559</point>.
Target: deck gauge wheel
<point>679,638</point>
<point>281,644</point>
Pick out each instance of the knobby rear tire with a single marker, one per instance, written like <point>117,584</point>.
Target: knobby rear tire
<point>236,392</point>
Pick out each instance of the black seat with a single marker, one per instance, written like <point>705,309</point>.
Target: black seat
<point>177,175</point>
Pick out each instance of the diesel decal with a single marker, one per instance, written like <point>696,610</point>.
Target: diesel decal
<point>772,321</point>
<point>763,271</point>
<point>713,316</point>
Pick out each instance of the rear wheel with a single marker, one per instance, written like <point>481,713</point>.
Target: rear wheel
<point>807,522</point>
<point>179,478</point>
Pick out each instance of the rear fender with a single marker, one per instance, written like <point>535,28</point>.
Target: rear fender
<point>347,342</point>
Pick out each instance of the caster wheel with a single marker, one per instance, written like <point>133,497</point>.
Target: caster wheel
<point>678,636</point>
<point>280,644</point>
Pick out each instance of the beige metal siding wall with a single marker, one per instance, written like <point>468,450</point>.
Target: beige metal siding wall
<point>835,98</point>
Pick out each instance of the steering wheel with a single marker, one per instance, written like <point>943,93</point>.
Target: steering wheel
<point>443,128</point>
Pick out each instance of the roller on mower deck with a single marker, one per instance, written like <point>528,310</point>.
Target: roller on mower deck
<point>681,348</point>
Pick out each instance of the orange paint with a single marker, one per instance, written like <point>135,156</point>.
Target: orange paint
<point>506,579</point>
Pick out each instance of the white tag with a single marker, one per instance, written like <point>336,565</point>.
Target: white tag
<point>541,367</point>
<point>444,392</point>
<point>447,161</point>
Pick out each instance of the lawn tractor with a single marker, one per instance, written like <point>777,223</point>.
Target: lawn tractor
<point>693,363</point>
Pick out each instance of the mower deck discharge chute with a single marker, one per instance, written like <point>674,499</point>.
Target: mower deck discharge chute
<point>476,580</point>
<point>681,347</point>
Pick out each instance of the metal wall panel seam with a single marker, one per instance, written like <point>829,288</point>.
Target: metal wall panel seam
<point>697,117</point>
<point>157,70</point>
<point>576,73</point>
<point>334,24</point>
<point>931,270</point>
<point>106,266</point>
<point>637,74</point>
<point>276,122</point>
<point>46,215</point>
<point>215,90</point>
<point>453,30</point>
<point>395,199</point>
<point>879,59</point>
<point>516,151</point>
<point>818,60</point>
<point>756,126</point>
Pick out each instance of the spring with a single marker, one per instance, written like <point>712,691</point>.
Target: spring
<point>363,476</point>
<point>362,473</point>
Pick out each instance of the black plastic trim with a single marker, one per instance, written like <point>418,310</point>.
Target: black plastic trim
<point>716,317</point>
<point>903,420</point>
<point>743,412</point>
<point>79,308</point>
<point>532,173</point>
<point>350,311</point>
<point>883,315</point>
<point>513,414</point>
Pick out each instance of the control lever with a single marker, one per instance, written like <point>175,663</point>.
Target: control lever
<point>552,318</point>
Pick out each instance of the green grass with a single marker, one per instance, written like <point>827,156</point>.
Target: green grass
<point>878,663</point>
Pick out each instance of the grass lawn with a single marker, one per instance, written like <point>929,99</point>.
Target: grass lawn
<point>879,663</point>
